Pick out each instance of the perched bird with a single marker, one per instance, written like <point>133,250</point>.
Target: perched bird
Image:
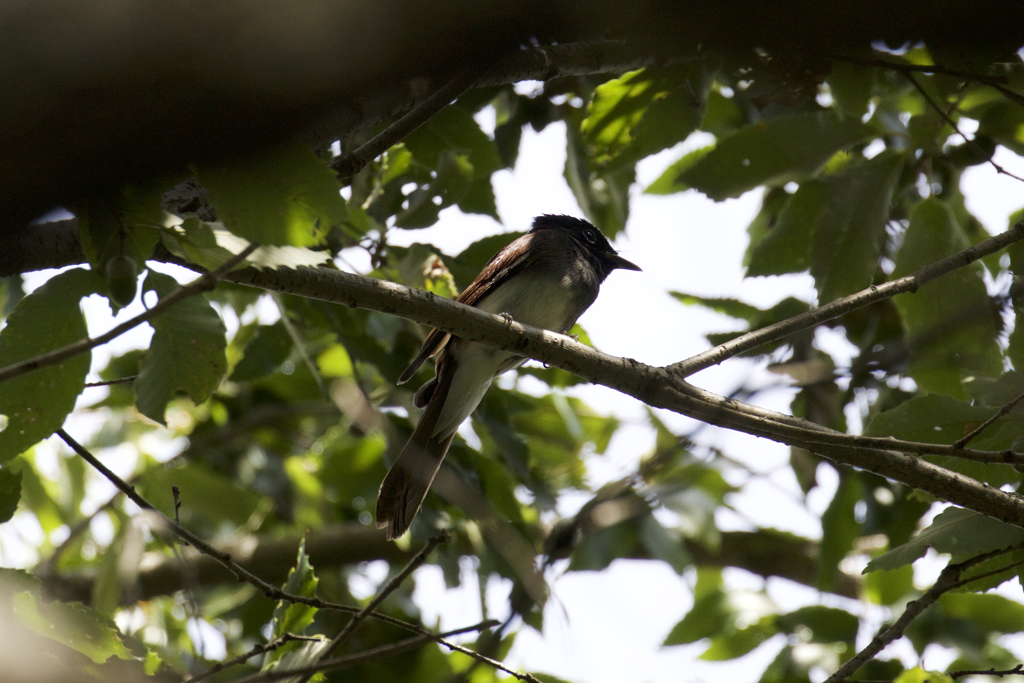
<point>547,278</point>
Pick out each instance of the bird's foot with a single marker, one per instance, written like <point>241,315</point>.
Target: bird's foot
<point>507,317</point>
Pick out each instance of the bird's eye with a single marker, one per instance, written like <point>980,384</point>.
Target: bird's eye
<point>591,237</point>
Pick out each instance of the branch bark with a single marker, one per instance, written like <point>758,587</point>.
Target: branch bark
<point>664,387</point>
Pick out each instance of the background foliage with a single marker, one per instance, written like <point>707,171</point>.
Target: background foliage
<point>282,430</point>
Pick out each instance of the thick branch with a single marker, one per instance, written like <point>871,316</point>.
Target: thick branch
<point>655,386</point>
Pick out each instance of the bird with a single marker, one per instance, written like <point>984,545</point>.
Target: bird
<point>547,278</point>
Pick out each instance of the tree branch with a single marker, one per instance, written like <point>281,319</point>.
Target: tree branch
<point>350,164</point>
<point>948,580</point>
<point>840,307</point>
<point>417,560</point>
<point>665,387</point>
<point>204,283</point>
<point>381,652</point>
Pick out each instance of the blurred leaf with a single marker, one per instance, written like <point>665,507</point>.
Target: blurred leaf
<point>10,493</point>
<point>204,494</point>
<point>851,87</point>
<point>602,195</point>
<point>827,624</point>
<point>669,182</point>
<point>287,196</point>
<point>73,625</point>
<point>850,231</point>
<point>723,115</point>
<point>1004,123</point>
<point>956,531</point>
<point>787,247</point>
<point>730,307</point>
<point>772,153</point>
<point>950,323</point>
<point>765,222</point>
<point>36,403</point>
<point>890,587</point>
<point>639,114</point>
<point>839,529</point>
<point>186,354</point>
<point>454,131</point>
<point>453,179</point>
<point>919,675</point>
<point>264,353</point>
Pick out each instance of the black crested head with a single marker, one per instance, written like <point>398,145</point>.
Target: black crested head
<point>593,242</point>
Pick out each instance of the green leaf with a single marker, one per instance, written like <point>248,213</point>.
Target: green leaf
<point>288,196</point>
<point>839,530</point>
<point>186,354</point>
<point>787,246</point>
<point>851,229</point>
<point>988,612</point>
<point>955,531</point>
<point>615,109</point>
<point>454,177</point>
<point>723,115</point>
<point>950,322</point>
<point>772,152</point>
<point>453,130</point>
<point>73,625</point>
<point>765,222</point>
<point>1004,123</point>
<point>35,404</point>
<point>730,307</point>
<point>603,195</point>
<point>295,617</point>
<point>669,181</point>
<point>919,675</point>
<point>827,624</point>
<point>264,353</point>
<point>639,114</point>
<point>203,493</point>
<point>10,493</point>
<point>929,419</point>
<point>851,87</point>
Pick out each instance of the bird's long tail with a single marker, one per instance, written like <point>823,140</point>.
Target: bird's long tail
<point>406,485</point>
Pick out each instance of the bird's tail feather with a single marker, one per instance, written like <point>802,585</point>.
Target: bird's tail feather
<point>407,482</point>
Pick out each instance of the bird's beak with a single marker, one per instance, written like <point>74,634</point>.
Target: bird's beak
<point>619,262</point>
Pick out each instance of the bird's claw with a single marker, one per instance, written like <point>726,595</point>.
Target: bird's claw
<point>507,317</point>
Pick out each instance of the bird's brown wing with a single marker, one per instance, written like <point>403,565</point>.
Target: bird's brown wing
<point>502,266</point>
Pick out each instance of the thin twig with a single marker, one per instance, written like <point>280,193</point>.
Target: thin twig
<point>948,580</point>
<point>119,380</point>
<point>381,652</point>
<point>1015,671</point>
<point>960,443</point>
<point>353,162</point>
<point>948,119</point>
<point>255,652</point>
<point>270,590</point>
<point>997,82</point>
<point>418,559</point>
<point>202,284</point>
<point>873,294</point>
<point>907,67</point>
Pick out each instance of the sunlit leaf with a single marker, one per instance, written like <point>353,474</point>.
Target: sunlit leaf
<point>35,404</point>
<point>772,152</point>
<point>186,354</point>
<point>287,196</point>
<point>956,531</point>
<point>950,323</point>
